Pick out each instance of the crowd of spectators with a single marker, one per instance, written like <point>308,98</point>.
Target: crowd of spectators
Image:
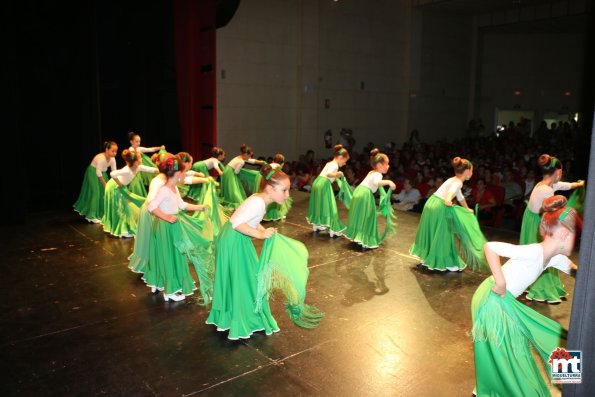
<point>505,166</point>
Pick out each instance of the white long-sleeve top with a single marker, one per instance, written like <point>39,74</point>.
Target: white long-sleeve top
<point>238,162</point>
<point>451,185</point>
<point>100,164</point>
<point>211,163</point>
<point>158,182</point>
<point>251,211</point>
<point>330,168</point>
<point>275,166</point>
<point>371,180</point>
<point>167,200</point>
<point>141,149</point>
<point>525,264</point>
<point>542,191</point>
<point>126,175</point>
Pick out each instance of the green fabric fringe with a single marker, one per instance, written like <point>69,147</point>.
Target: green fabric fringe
<point>387,211</point>
<point>284,267</point>
<point>345,191</point>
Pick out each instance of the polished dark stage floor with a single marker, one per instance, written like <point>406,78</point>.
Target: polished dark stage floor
<point>77,322</point>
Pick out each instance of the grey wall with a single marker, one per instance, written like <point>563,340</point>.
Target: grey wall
<point>283,59</point>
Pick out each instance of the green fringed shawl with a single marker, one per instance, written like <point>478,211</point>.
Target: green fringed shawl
<point>386,210</point>
<point>466,227</point>
<point>250,179</point>
<point>577,199</point>
<point>284,267</point>
<point>345,191</point>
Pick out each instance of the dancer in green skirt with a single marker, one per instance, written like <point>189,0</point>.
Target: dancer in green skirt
<point>90,201</point>
<point>121,206</point>
<point>548,287</point>
<point>276,212</point>
<point>441,221</point>
<point>139,183</point>
<point>139,259</point>
<point>197,177</point>
<point>213,163</point>
<point>362,226</point>
<point>322,207</point>
<point>242,284</point>
<point>232,191</point>
<point>168,269</point>
<point>504,330</point>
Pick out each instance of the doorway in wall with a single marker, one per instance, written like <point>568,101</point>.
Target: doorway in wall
<point>523,120</point>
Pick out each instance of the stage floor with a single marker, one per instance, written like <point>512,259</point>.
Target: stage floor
<point>77,322</point>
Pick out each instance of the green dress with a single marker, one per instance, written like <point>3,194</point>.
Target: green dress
<point>504,333</point>
<point>235,290</point>
<point>232,191</point>
<point>322,207</point>
<point>362,225</point>
<point>276,212</point>
<point>90,201</point>
<point>142,241</point>
<point>121,210</point>
<point>434,241</point>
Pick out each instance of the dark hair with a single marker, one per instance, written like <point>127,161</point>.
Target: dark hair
<point>377,158</point>
<point>109,144</point>
<point>130,156</point>
<point>131,135</point>
<point>184,157</point>
<point>244,149</point>
<point>555,213</point>
<point>271,176</point>
<point>549,164</point>
<point>460,165</point>
<point>216,151</point>
<point>279,159</point>
<point>170,166</point>
<point>340,151</point>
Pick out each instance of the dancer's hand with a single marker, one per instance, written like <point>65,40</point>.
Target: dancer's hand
<point>268,232</point>
<point>500,289</point>
<point>448,203</point>
<point>392,186</point>
<point>201,207</point>
<point>470,210</point>
<point>172,219</point>
<point>339,174</point>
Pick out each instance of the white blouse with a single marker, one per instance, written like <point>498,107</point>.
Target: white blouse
<point>251,211</point>
<point>525,264</point>
<point>452,185</point>
<point>371,180</point>
<point>330,168</point>
<point>100,164</point>
<point>167,201</point>
<point>542,191</point>
<point>212,163</point>
<point>126,175</point>
<point>238,162</point>
<point>141,149</point>
<point>275,166</point>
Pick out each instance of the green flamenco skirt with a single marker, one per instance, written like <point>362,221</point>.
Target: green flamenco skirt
<point>137,185</point>
<point>504,331</point>
<point>250,180</point>
<point>147,177</point>
<point>232,192</point>
<point>142,241</point>
<point>435,243</point>
<point>322,207</point>
<point>362,225</point>
<point>167,269</point>
<point>120,210</point>
<point>196,191</point>
<point>548,287</point>
<point>90,201</point>
<point>276,212</point>
<point>235,290</point>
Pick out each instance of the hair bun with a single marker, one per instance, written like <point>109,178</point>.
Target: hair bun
<point>554,203</point>
<point>265,169</point>
<point>374,152</point>
<point>338,147</point>
<point>544,160</point>
<point>456,161</point>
